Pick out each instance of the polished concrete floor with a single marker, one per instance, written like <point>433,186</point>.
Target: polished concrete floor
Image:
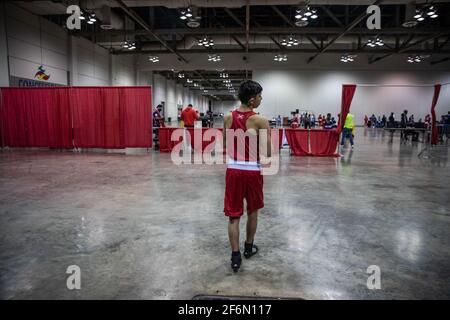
<point>140,227</point>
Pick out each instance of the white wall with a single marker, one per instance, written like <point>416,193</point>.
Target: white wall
<point>224,106</point>
<point>33,41</point>
<point>171,103</point>
<point>159,89</point>
<point>123,70</point>
<point>4,72</point>
<point>320,92</point>
<point>93,67</point>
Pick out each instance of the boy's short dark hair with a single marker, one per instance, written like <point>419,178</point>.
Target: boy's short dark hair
<point>189,105</point>
<point>248,89</point>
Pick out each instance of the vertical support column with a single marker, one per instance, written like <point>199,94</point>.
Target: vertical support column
<point>73,61</point>
<point>4,63</point>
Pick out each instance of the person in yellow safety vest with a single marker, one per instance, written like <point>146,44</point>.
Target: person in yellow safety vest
<point>349,125</point>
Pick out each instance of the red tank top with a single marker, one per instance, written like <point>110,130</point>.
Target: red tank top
<point>242,142</point>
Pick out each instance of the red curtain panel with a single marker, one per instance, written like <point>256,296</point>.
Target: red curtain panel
<point>90,116</point>
<point>165,142</point>
<point>112,117</point>
<point>348,91</point>
<point>298,141</point>
<point>434,129</point>
<point>36,117</point>
<point>324,142</point>
<point>136,107</point>
<point>201,132</point>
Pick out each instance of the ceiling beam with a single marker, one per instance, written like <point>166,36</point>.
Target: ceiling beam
<point>346,30</point>
<point>233,16</point>
<point>281,14</point>
<point>275,50</point>
<point>133,15</point>
<point>440,61</point>
<point>260,31</point>
<point>237,41</point>
<point>408,47</point>
<point>332,16</point>
<point>247,25</point>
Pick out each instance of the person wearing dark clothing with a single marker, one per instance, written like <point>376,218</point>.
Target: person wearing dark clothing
<point>391,122</point>
<point>403,123</point>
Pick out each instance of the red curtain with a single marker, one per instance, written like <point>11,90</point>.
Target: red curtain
<point>96,113</point>
<point>348,91</point>
<point>201,132</point>
<point>136,104</point>
<point>298,141</point>
<point>36,117</point>
<point>102,117</point>
<point>434,129</point>
<point>324,142</point>
<point>165,143</point>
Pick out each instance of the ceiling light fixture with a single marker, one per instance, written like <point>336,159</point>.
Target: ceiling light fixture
<point>280,57</point>
<point>348,58</point>
<point>291,41</point>
<point>303,14</point>
<point>206,42</point>
<point>154,59</point>
<point>214,57</point>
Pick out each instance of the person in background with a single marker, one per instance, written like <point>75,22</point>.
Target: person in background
<point>307,123</point>
<point>411,120</point>
<point>366,120</point>
<point>210,117</point>
<point>446,125</point>
<point>427,121</point>
<point>373,121</point>
<point>279,121</point>
<point>313,120</point>
<point>383,121</point>
<point>294,121</point>
<point>403,122</point>
<point>319,120</point>
<point>158,119</point>
<point>189,116</point>
<point>348,129</point>
<point>391,123</point>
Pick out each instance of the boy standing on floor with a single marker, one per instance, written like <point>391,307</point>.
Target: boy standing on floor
<point>243,176</point>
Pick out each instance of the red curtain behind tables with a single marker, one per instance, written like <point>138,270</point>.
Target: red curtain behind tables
<point>434,130</point>
<point>165,143</point>
<point>298,141</point>
<point>137,112</point>
<point>201,132</point>
<point>348,91</point>
<point>36,117</point>
<point>324,142</point>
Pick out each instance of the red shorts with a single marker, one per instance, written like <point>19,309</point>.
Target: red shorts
<point>242,184</point>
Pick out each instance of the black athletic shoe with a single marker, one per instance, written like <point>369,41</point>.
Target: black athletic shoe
<point>250,250</point>
<point>236,260</point>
